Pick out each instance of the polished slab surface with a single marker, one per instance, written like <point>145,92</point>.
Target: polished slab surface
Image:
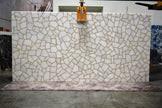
<point>109,47</point>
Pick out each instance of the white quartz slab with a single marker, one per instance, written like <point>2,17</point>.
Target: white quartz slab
<point>110,47</point>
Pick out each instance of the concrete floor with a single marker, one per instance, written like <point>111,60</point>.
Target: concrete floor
<point>77,99</point>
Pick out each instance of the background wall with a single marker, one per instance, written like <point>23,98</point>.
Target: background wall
<point>115,6</point>
<point>6,6</point>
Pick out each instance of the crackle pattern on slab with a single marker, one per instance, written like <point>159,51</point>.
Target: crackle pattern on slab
<point>54,47</point>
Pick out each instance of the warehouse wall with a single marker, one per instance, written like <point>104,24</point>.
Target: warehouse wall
<point>6,6</point>
<point>115,6</point>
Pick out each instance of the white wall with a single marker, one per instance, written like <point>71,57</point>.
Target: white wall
<point>115,6</point>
